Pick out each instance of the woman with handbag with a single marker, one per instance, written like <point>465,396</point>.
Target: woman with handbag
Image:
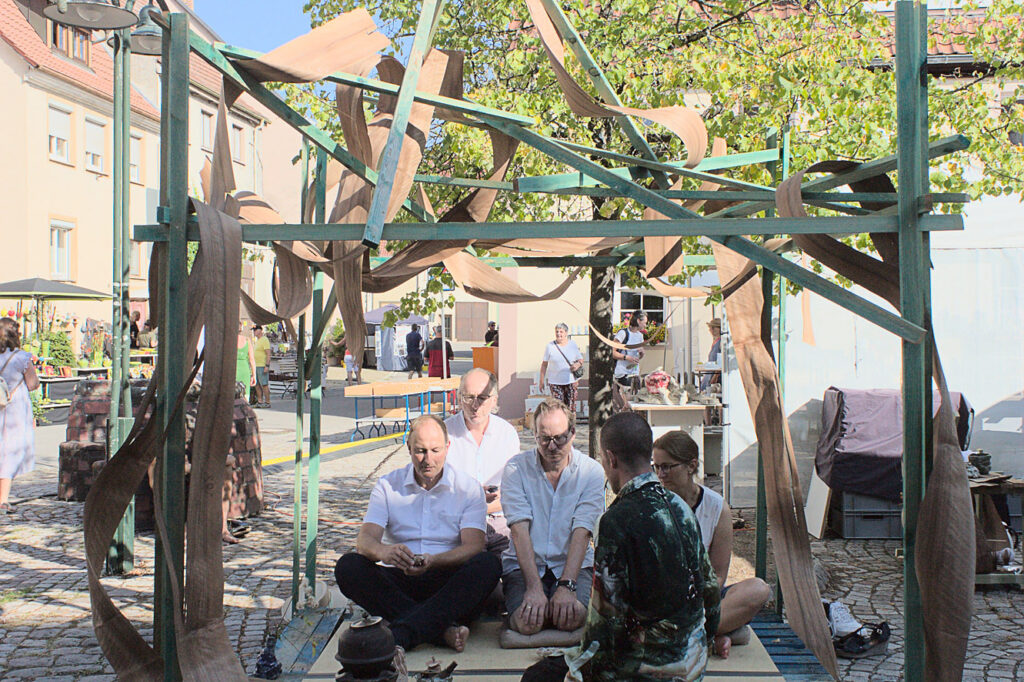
<point>17,435</point>
<point>563,357</point>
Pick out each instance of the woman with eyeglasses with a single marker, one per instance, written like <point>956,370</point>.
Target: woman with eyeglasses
<point>563,358</point>
<point>676,462</point>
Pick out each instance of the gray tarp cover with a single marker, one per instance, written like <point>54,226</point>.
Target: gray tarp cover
<point>860,449</point>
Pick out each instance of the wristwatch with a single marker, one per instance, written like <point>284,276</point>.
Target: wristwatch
<point>567,584</point>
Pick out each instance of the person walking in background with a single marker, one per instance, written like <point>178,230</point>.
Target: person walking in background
<point>627,360</point>
<point>564,361</point>
<point>714,355</point>
<point>133,330</point>
<point>491,337</point>
<point>261,355</point>
<point>414,351</point>
<point>439,357</point>
<point>17,425</point>
<point>245,368</point>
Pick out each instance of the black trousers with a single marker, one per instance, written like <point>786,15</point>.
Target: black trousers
<point>419,608</point>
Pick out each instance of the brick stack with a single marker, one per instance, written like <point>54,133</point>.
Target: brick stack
<point>84,453</point>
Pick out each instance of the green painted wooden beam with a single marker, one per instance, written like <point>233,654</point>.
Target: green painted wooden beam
<point>293,118</point>
<point>396,135</point>
<point>300,436</point>
<point>572,180</point>
<point>915,285</point>
<point>833,292</point>
<point>320,317</point>
<point>464,182</point>
<point>604,88</point>
<point>584,228</point>
<point>172,359</point>
<point>886,164</point>
<point>373,85</point>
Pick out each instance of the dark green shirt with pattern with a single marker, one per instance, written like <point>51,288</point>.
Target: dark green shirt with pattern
<point>655,602</point>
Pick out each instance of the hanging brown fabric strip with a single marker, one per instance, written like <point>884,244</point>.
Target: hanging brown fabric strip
<point>785,498</point>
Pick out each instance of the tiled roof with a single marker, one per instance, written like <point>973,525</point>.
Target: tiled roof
<point>98,77</point>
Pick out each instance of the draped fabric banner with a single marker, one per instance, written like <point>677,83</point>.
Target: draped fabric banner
<point>787,525</point>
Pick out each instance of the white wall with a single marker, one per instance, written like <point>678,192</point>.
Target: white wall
<point>978,313</point>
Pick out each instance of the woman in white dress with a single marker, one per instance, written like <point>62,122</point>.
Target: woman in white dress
<point>17,426</point>
<point>675,459</point>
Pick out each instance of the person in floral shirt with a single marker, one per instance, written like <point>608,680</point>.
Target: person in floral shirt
<point>655,602</point>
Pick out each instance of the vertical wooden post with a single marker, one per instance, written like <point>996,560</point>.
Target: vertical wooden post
<point>915,286</point>
<point>315,388</point>
<point>173,355</point>
<point>761,511</point>
<point>300,390</point>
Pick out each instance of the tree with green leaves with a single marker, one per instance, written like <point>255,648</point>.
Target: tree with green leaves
<point>823,68</point>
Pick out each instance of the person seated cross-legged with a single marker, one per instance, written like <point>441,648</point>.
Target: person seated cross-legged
<point>551,497</point>
<point>420,561</point>
<point>676,459</point>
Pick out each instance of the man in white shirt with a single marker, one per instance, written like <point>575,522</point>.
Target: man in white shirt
<point>552,497</point>
<point>481,444</point>
<point>425,526</point>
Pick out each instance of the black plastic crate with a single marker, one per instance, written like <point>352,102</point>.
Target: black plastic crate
<point>849,502</point>
<point>866,525</point>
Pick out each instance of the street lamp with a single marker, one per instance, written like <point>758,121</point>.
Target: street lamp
<point>90,14</point>
<point>146,37</point>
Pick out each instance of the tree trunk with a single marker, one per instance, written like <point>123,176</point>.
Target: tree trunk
<point>602,366</point>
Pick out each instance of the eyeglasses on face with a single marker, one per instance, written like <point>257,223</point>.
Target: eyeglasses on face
<point>664,468</point>
<point>559,440</point>
<point>476,399</point>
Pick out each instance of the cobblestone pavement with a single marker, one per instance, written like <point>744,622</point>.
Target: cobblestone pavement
<point>46,630</point>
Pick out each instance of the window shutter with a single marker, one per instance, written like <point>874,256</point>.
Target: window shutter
<point>94,138</point>
<point>60,123</point>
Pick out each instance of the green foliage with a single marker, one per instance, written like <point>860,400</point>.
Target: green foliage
<point>336,334</point>
<point>60,350</point>
<point>426,301</point>
<point>825,70</point>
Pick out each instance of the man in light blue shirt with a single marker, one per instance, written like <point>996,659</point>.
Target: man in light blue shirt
<point>552,497</point>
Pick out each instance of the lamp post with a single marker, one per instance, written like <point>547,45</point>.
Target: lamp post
<point>144,39</point>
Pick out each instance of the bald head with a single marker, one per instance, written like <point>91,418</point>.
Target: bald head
<point>478,393</point>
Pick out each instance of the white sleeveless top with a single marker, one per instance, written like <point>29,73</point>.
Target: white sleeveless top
<point>708,511</point>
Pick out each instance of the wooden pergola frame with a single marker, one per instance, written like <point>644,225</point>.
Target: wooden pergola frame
<point>730,227</point>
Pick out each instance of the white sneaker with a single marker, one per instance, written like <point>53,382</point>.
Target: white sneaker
<point>840,620</point>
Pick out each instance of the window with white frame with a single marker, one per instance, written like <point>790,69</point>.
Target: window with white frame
<point>135,158</point>
<point>95,144</point>
<point>631,302</point>
<point>207,130</point>
<point>237,143</point>
<point>60,134</point>
<point>60,249</point>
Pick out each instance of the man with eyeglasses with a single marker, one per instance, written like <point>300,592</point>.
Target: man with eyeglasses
<point>481,444</point>
<point>655,603</point>
<point>552,497</point>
